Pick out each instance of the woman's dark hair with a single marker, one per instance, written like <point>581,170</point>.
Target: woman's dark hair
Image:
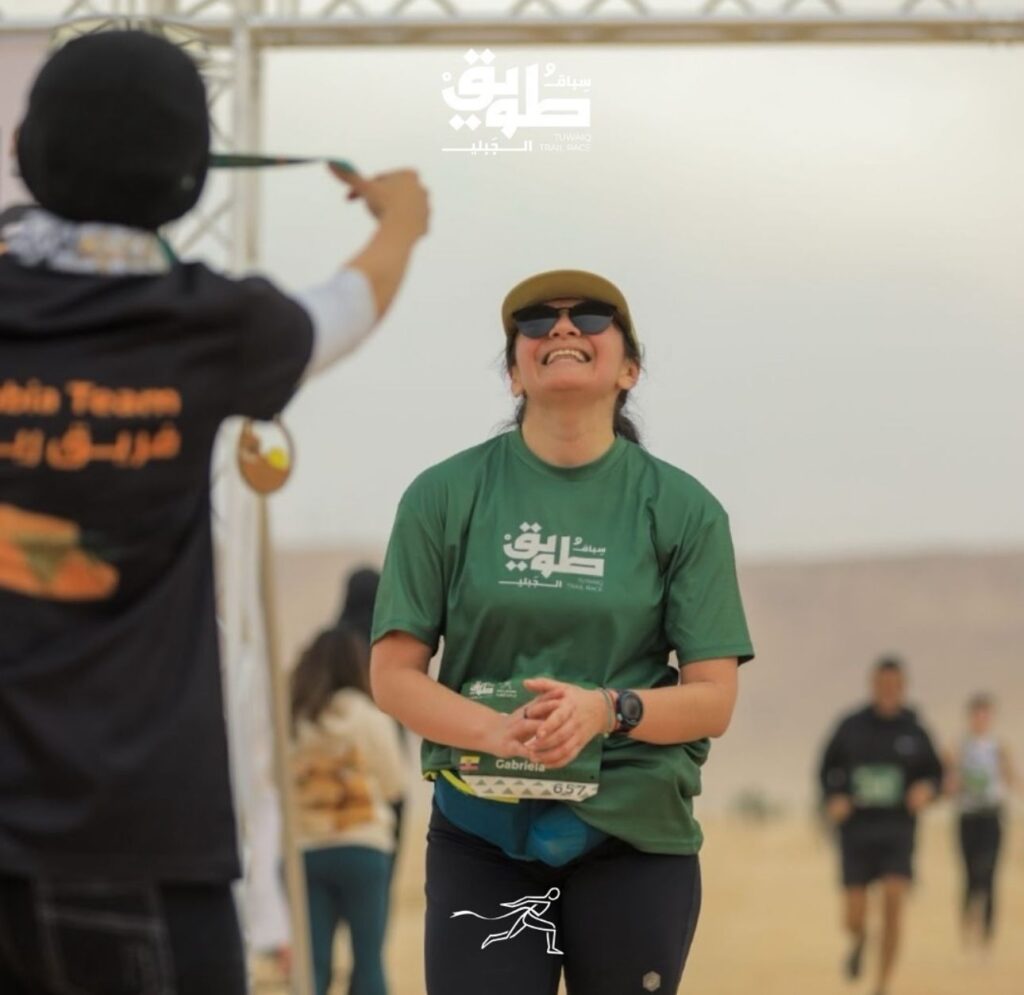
<point>979,701</point>
<point>337,658</point>
<point>891,664</point>
<point>359,598</point>
<point>622,423</point>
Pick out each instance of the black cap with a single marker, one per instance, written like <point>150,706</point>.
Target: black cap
<point>117,130</point>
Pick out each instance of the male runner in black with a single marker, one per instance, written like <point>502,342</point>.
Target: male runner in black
<point>879,770</point>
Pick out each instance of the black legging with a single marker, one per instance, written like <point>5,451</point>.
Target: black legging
<point>981,834</point>
<point>616,920</point>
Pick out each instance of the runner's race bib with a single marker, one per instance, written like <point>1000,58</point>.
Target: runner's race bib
<point>977,785</point>
<point>878,786</point>
<point>517,777</point>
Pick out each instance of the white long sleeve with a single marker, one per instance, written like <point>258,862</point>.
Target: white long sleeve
<point>343,313</point>
<point>262,892</point>
<point>269,927</point>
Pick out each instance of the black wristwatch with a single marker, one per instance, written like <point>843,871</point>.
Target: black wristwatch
<point>629,710</point>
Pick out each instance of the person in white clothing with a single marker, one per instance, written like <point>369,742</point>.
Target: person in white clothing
<point>979,777</point>
<point>348,770</point>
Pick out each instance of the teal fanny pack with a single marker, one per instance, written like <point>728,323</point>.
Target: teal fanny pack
<point>548,831</point>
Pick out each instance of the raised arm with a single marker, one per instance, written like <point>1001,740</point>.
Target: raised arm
<point>346,307</point>
<point>399,202</point>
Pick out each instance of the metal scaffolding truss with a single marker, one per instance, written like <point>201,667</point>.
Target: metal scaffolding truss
<point>228,38</point>
<point>230,35</point>
<point>612,22</point>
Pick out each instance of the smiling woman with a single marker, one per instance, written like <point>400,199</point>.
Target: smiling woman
<point>562,564</point>
<point>589,318</point>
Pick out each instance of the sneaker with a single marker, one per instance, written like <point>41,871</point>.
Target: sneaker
<point>855,960</point>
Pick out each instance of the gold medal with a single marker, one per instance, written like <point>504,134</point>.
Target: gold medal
<point>266,455</point>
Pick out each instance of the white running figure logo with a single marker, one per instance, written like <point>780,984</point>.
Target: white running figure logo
<point>528,911</point>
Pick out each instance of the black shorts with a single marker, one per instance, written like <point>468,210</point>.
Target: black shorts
<point>873,852</point>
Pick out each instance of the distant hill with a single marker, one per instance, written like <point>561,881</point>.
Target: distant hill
<point>956,618</point>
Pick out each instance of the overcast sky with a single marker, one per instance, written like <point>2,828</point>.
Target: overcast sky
<point>821,247</point>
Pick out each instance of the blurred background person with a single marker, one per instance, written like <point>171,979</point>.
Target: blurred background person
<point>358,600</point>
<point>979,776</point>
<point>878,772</point>
<point>348,770</point>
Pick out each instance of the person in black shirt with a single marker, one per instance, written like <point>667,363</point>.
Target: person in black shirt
<point>879,770</point>
<point>118,364</point>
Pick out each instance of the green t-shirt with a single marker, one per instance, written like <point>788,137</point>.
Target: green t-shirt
<point>590,575</point>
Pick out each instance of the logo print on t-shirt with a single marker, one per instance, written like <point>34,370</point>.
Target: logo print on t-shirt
<point>547,556</point>
<point>332,787</point>
<point>126,427</point>
<point>42,556</point>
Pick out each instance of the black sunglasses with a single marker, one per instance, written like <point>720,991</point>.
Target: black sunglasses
<point>589,317</point>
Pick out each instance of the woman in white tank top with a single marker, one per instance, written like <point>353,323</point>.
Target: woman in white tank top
<point>980,777</point>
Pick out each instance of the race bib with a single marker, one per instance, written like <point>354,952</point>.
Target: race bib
<point>878,786</point>
<point>517,777</point>
<point>977,784</point>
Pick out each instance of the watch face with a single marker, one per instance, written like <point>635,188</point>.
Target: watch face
<point>631,707</point>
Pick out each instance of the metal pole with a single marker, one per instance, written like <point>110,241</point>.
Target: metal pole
<point>302,975</point>
<point>245,252</point>
<point>245,202</point>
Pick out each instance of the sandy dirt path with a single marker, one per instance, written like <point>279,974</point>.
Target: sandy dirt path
<point>770,919</point>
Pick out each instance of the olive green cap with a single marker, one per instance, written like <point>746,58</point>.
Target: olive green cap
<point>557,283</point>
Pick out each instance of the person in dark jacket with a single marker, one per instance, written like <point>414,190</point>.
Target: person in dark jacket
<point>879,771</point>
<point>118,365</point>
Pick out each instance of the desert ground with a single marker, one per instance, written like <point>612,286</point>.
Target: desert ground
<point>770,918</point>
